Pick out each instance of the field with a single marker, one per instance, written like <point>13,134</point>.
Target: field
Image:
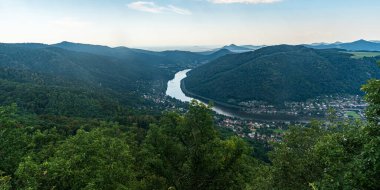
<point>361,54</point>
<point>353,114</point>
<point>279,131</point>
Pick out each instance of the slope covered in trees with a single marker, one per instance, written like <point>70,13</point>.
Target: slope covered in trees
<point>91,68</point>
<point>86,80</point>
<point>184,152</point>
<point>120,67</point>
<point>280,73</point>
<point>56,81</point>
<point>60,129</point>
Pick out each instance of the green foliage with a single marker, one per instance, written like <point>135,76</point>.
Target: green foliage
<point>186,153</point>
<point>181,152</point>
<point>370,156</point>
<point>339,155</point>
<point>5,181</point>
<point>293,161</point>
<point>14,140</point>
<point>8,116</point>
<point>13,146</point>
<point>58,100</point>
<point>99,159</point>
<point>372,89</point>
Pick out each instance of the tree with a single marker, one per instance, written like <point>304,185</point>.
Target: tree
<point>294,164</point>
<point>372,89</point>
<point>187,153</point>
<point>5,181</point>
<point>370,156</point>
<point>98,159</point>
<point>13,139</point>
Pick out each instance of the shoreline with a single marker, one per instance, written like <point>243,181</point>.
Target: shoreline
<point>241,114</point>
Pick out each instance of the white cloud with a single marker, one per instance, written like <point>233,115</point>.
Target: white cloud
<point>69,22</point>
<point>151,7</point>
<point>244,1</point>
<point>178,10</point>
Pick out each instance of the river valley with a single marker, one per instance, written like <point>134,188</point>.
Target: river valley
<point>174,90</point>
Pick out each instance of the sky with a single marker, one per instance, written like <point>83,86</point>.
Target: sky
<point>159,23</point>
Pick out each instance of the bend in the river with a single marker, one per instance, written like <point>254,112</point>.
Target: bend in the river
<point>174,90</point>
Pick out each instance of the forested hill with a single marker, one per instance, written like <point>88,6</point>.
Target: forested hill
<point>119,68</point>
<point>281,73</point>
<point>78,65</point>
<point>86,80</point>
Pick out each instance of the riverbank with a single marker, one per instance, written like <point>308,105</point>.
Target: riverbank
<point>236,111</point>
<point>204,99</point>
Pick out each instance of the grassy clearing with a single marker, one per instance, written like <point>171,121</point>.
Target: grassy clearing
<point>353,114</point>
<point>361,54</point>
<point>279,131</point>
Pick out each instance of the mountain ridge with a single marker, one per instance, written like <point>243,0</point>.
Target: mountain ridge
<point>281,73</point>
<point>359,45</point>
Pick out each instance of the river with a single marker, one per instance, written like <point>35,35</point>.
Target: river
<point>174,90</point>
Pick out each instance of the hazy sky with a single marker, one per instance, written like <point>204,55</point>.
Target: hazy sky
<point>188,22</point>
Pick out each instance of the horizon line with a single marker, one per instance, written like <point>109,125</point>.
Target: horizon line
<point>173,46</point>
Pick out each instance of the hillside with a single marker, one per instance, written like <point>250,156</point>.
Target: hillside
<point>44,79</point>
<point>280,73</point>
<point>93,69</point>
<point>119,67</point>
<point>84,79</point>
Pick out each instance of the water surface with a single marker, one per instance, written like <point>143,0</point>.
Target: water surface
<point>174,90</point>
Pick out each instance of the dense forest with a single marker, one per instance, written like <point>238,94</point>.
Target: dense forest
<point>176,151</point>
<point>70,118</point>
<point>281,73</point>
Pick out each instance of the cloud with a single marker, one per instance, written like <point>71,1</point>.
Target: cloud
<point>178,10</point>
<point>151,7</point>
<point>69,22</point>
<point>244,1</point>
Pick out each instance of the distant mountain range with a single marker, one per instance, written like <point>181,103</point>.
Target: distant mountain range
<point>241,49</point>
<point>276,74</point>
<point>170,56</point>
<point>360,45</point>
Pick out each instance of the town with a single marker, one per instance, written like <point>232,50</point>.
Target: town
<point>343,107</point>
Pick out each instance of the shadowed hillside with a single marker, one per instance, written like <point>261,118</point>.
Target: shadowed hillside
<point>281,73</point>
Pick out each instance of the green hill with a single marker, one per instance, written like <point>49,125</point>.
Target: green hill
<point>280,73</point>
<point>84,79</point>
<point>93,69</point>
